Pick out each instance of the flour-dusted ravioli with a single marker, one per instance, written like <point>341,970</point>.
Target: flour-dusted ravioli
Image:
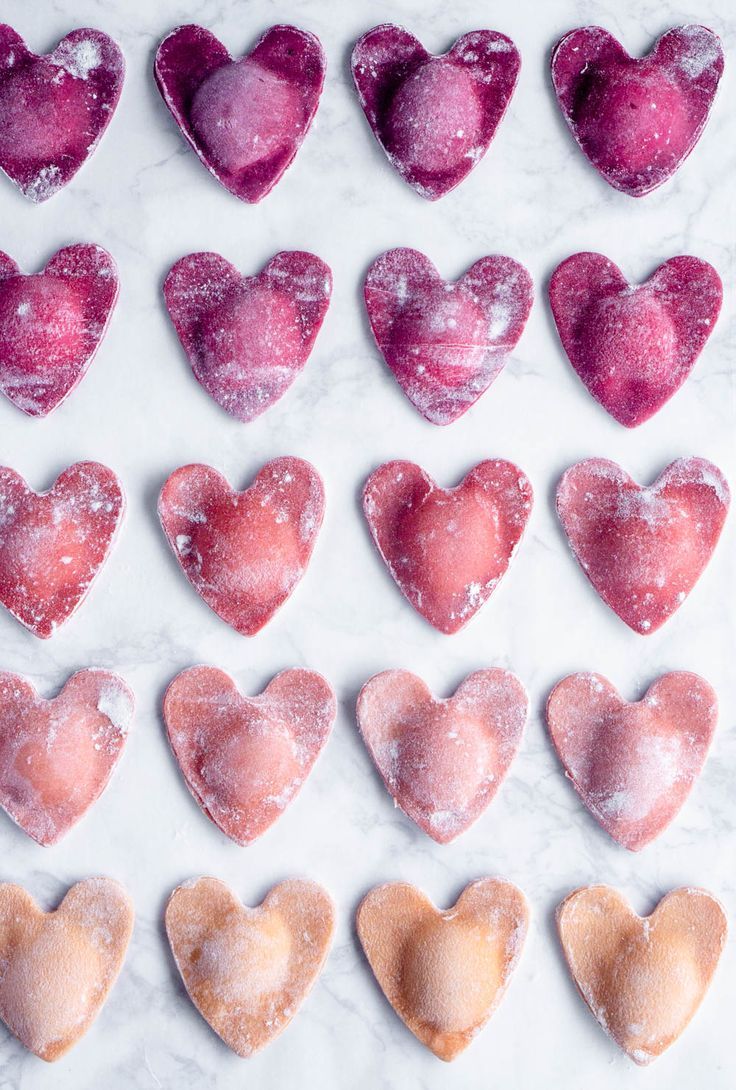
<point>434,116</point>
<point>246,118</point>
<point>54,108</point>
<point>248,970</point>
<point>248,337</point>
<point>637,119</point>
<point>446,342</point>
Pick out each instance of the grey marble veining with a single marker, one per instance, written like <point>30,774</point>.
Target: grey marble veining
<point>147,199</point>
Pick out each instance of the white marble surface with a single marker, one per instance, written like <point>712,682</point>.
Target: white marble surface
<point>147,199</point>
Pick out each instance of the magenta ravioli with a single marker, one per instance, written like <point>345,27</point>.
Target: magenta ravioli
<point>434,116</point>
<point>446,342</point>
<point>51,324</point>
<point>54,108</point>
<point>246,118</point>
<point>634,345</point>
<point>643,547</point>
<point>637,119</point>
<point>247,337</point>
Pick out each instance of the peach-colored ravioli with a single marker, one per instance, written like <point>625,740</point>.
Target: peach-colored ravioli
<point>442,760</point>
<point>58,967</point>
<point>248,970</point>
<point>444,973</point>
<point>643,978</point>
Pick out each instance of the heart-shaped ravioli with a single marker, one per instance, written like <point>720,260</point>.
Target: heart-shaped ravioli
<point>446,342</point>
<point>58,967</point>
<point>246,118</point>
<point>633,765</point>
<point>442,760</point>
<point>434,116</point>
<point>643,978</point>
<point>248,970</point>
<point>56,756</point>
<point>637,119</point>
<point>52,323</point>
<point>243,552</point>
<point>444,973</point>
<point>53,544</point>
<point>634,345</point>
<point>447,549</point>
<point>55,108</point>
<point>643,548</point>
<point>245,758</point>
<point>248,337</point>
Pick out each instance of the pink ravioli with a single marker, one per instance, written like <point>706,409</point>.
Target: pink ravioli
<point>637,119</point>
<point>442,760</point>
<point>245,118</point>
<point>243,552</point>
<point>55,108</point>
<point>634,345</point>
<point>446,342</point>
<point>53,544</point>
<point>643,547</point>
<point>56,756</point>
<point>447,549</point>
<point>245,758</point>
<point>51,324</point>
<point>633,765</point>
<point>434,116</point>
<point>248,337</point>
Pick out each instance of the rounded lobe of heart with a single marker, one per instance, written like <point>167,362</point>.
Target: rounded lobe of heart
<point>447,549</point>
<point>55,108</point>
<point>442,760</point>
<point>243,552</point>
<point>53,544</point>
<point>642,978</point>
<point>51,324</point>
<point>245,758</point>
<point>444,973</point>
<point>445,342</point>
<point>634,346</point>
<point>637,119</point>
<point>643,548</point>
<point>434,116</point>
<point>59,967</point>
<point>248,970</point>
<point>633,765</point>
<point>245,118</point>
<point>247,338</point>
<point>57,756</point>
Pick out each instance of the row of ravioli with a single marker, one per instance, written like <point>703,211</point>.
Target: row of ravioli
<point>245,758</point>
<point>635,120</point>
<point>248,337</point>
<point>642,548</point>
<point>248,970</point>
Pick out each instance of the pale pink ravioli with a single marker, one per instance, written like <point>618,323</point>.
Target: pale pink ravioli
<point>634,345</point>
<point>633,765</point>
<point>446,342</point>
<point>245,758</point>
<point>643,547</point>
<point>54,108</point>
<point>57,755</point>
<point>245,118</point>
<point>51,324</point>
<point>53,544</point>
<point>637,119</point>
<point>247,337</point>
<point>434,116</point>
<point>447,549</point>
<point>442,760</point>
<point>243,552</point>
